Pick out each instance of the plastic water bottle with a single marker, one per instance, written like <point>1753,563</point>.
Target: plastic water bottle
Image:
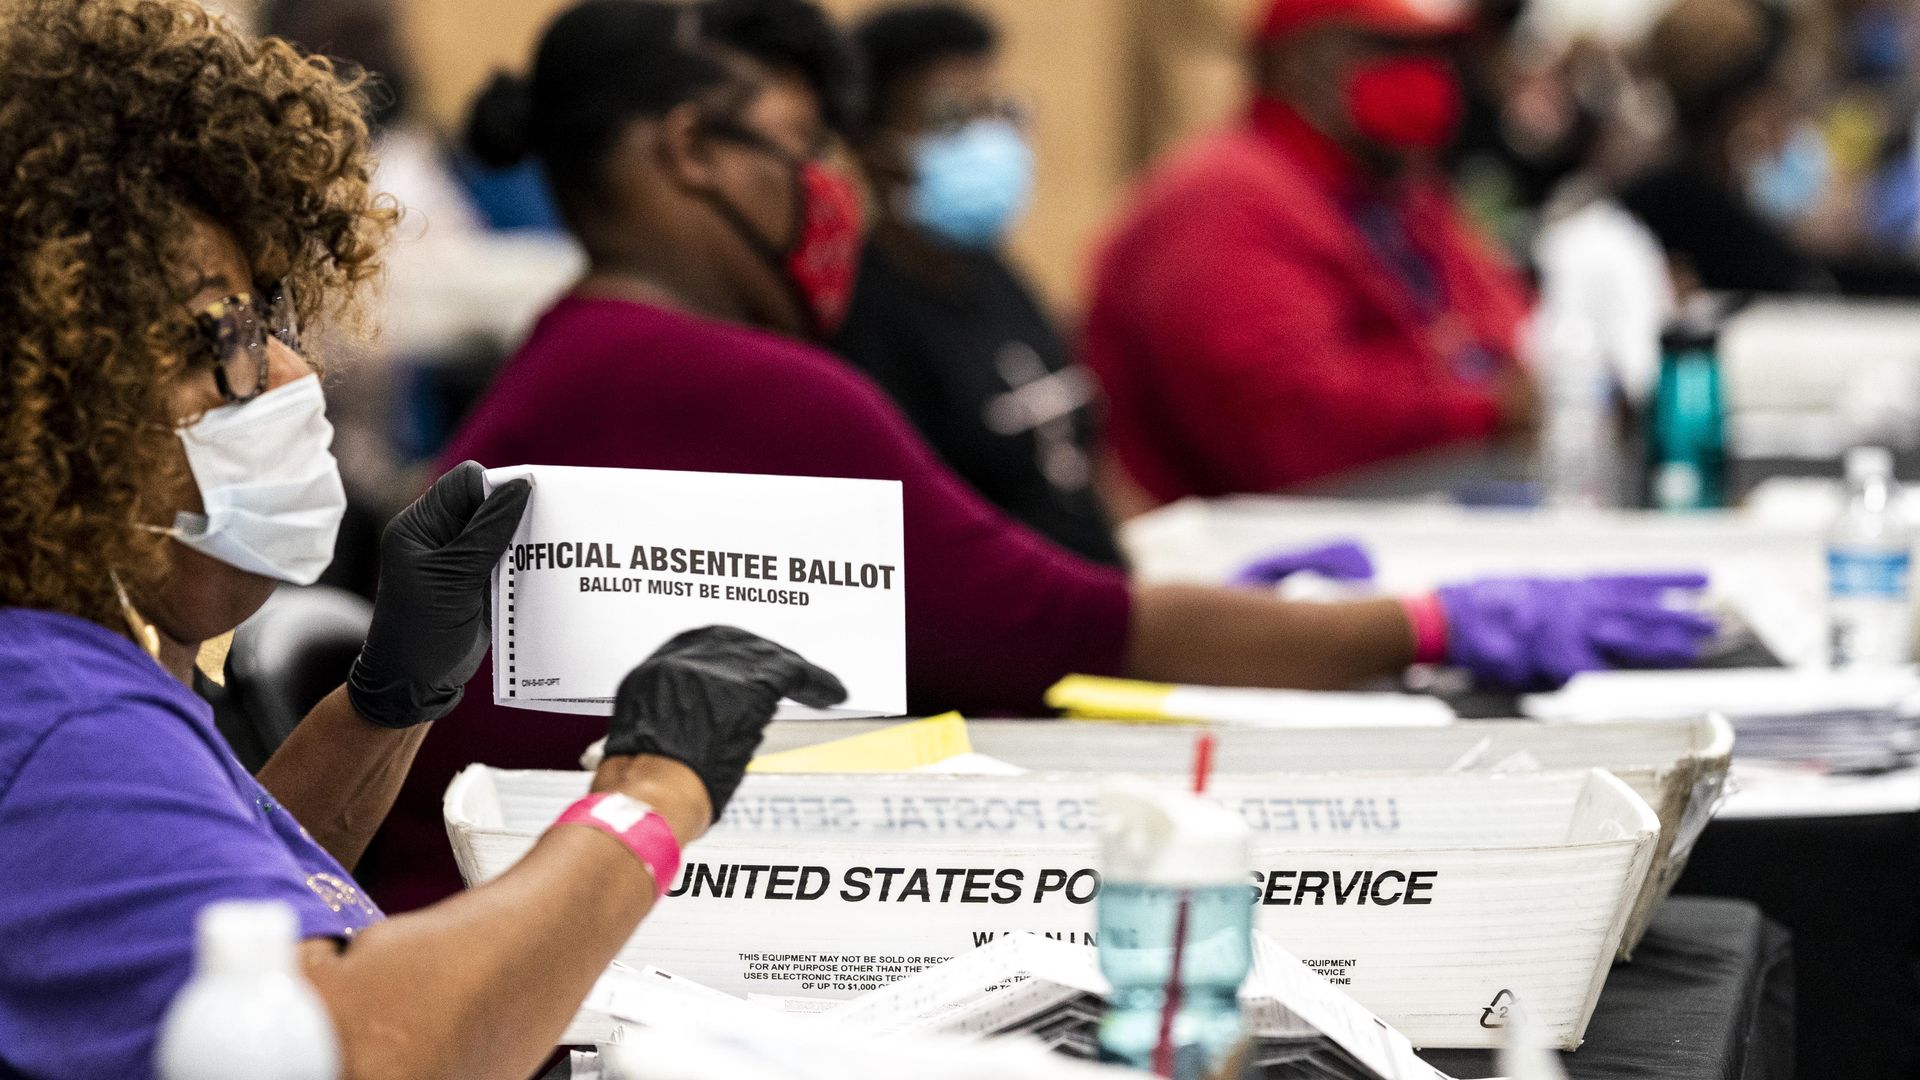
<point>247,1013</point>
<point>1686,443</point>
<point>1869,565</point>
<point>1577,446</point>
<point>1160,849</point>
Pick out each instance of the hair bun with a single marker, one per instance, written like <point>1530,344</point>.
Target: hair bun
<point>499,129</point>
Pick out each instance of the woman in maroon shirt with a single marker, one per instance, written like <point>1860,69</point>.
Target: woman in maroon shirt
<point>688,148</point>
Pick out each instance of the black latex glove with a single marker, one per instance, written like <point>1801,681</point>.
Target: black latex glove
<point>430,628</point>
<point>704,698</point>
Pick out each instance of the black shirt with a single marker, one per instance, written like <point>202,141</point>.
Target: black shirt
<point>1731,248</point>
<point>1713,231</point>
<point>974,362</point>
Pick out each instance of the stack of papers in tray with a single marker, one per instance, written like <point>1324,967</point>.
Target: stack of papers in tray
<point>1022,984</point>
<point>1841,722</point>
<point>1851,742</point>
<point>663,1026</point>
<point>985,1013</point>
<point>1018,984</point>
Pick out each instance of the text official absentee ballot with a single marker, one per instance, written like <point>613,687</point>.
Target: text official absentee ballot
<point>608,564</point>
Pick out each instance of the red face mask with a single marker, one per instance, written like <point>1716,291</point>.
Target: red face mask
<point>825,253</point>
<point>817,264</point>
<point>1408,103</point>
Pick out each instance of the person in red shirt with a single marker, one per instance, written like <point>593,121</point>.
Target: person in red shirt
<point>1298,295</point>
<point>687,145</point>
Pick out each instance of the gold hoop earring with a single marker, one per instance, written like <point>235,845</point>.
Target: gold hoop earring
<point>144,634</point>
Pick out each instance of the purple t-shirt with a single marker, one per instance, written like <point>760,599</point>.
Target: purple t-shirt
<point>122,814</point>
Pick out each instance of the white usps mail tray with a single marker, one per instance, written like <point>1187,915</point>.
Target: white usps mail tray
<point>1432,898</point>
<point>608,564</point>
<point>1679,766</point>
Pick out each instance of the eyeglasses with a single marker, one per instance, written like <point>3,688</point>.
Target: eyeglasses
<point>824,146</point>
<point>237,328</point>
<point>946,116</point>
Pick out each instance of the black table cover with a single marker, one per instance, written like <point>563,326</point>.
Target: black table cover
<point>1848,889</point>
<point>1708,996</point>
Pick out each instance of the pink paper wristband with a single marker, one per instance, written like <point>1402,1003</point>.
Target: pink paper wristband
<point>636,825</point>
<point>1429,621</point>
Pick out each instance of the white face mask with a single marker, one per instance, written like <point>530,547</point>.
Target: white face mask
<point>269,482</point>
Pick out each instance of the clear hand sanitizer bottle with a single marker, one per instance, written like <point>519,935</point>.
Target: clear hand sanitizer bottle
<point>247,1013</point>
<point>1869,564</point>
<point>1576,442</point>
<point>1160,851</point>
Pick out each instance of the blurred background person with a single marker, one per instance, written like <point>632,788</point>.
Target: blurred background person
<point>1744,162</point>
<point>1547,119</point>
<point>1875,117</point>
<point>1299,296</point>
<point>1790,166</point>
<point>940,318</point>
<point>1524,128</point>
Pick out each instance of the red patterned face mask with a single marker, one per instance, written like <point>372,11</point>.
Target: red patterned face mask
<point>825,253</point>
<point>818,263</point>
<point>1408,103</point>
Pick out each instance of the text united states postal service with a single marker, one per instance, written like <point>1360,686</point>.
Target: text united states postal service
<point>608,564</point>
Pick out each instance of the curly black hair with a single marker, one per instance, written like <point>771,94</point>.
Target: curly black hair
<point>120,122</point>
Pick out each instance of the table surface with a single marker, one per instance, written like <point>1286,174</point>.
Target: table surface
<point>1708,996</point>
<point>1844,887</point>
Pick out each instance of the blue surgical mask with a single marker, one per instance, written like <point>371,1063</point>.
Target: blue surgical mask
<point>971,185</point>
<point>1786,186</point>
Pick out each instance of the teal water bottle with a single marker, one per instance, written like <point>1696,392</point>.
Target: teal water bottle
<point>1162,852</point>
<point>1686,438</point>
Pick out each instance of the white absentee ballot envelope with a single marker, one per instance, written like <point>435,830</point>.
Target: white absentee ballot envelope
<point>608,564</point>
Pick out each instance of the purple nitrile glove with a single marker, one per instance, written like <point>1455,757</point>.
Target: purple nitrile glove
<point>1529,633</point>
<point>1340,561</point>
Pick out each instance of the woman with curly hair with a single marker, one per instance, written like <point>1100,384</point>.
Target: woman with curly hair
<point>174,200</point>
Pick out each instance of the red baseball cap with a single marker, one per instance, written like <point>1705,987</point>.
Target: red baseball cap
<point>1412,18</point>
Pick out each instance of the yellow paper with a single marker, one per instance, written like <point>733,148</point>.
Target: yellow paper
<point>212,658</point>
<point>1092,697</point>
<point>900,748</point>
